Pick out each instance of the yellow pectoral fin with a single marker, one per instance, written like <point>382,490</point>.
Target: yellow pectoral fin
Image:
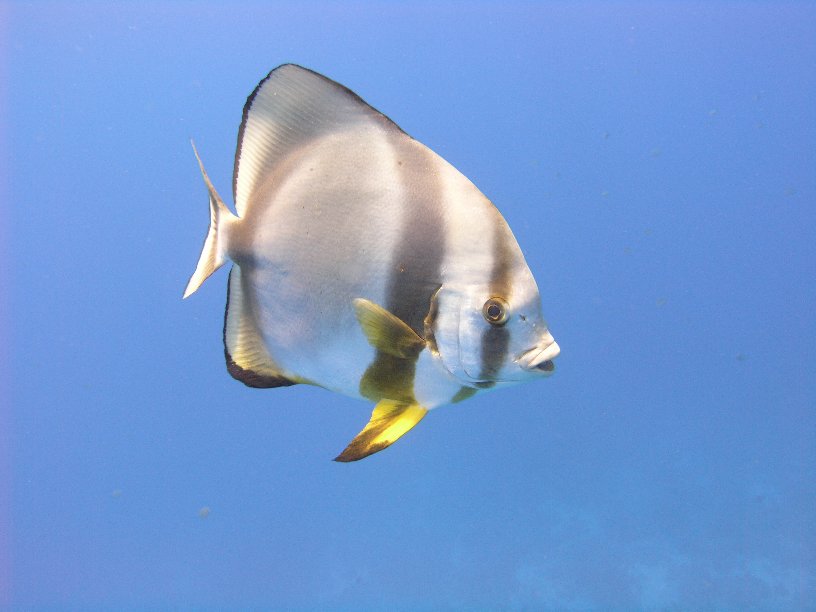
<point>389,422</point>
<point>387,333</point>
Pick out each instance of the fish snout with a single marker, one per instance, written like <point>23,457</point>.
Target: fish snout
<point>541,356</point>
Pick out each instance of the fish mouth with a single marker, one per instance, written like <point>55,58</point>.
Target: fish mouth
<point>540,357</point>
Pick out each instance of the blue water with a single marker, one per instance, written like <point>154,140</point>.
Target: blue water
<point>656,163</point>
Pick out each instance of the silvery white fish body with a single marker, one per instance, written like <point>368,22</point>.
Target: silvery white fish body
<point>365,263</point>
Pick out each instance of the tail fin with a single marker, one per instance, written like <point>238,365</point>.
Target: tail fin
<point>213,255</point>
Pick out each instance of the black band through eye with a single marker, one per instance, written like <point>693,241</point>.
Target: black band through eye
<point>495,311</point>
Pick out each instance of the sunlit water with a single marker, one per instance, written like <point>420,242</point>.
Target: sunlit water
<point>656,163</point>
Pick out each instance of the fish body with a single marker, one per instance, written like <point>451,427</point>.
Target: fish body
<point>365,263</point>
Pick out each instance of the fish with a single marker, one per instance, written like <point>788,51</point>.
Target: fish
<point>364,263</point>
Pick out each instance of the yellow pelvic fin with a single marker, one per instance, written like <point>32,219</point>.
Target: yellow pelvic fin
<point>389,422</point>
<point>387,333</point>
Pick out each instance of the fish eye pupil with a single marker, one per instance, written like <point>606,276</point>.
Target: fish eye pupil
<point>495,311</point>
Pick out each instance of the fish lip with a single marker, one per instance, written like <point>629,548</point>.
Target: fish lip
<point>540,357</point>
<point>538,360</point>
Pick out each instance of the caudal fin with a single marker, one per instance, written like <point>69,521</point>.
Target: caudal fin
<point>213,255</point>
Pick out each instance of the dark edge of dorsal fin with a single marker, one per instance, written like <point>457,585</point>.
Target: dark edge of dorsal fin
<point>242,127</point>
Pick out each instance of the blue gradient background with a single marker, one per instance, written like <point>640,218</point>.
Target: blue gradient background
<point>657,162</point>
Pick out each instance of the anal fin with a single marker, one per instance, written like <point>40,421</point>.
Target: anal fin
<point>389,422</point>
<point>248,360</point>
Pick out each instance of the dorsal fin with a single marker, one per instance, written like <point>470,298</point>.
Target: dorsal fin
<point>289,108</point>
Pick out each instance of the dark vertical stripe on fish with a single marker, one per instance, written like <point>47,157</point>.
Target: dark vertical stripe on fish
<point>496,339</point>
<point>416,270</point>
<point>417,260</point>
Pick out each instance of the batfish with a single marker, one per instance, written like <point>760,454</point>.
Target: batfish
<point>364,263</point>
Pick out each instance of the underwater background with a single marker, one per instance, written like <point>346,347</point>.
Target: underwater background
<point>657,164</point>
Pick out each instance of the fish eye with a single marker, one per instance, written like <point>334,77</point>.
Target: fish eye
<point>495,311</point>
